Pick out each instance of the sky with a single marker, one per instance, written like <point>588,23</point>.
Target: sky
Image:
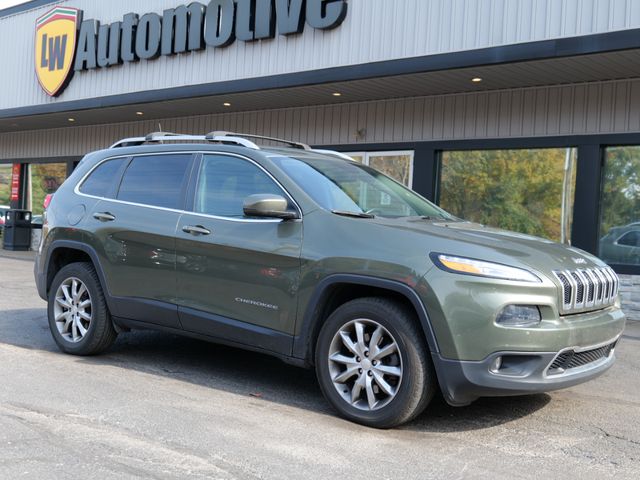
<point>10,3</point>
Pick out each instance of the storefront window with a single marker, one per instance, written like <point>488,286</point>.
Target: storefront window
<point>5,192</point>
<point>5,184</point>
<point>397,165</point>
<point>620,217</point>
<point>526,190</point>
<point>44,178</point>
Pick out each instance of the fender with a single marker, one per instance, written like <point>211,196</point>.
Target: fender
<point>74,245</point>
<point>302,346</point>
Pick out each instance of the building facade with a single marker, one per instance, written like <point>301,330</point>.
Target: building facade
<point>523,114</point>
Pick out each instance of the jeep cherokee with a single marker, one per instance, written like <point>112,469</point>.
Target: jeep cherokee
<point>322,262</point>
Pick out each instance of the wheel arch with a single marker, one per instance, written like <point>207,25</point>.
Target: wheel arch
<point>64,252</point>
<point>323,301</point>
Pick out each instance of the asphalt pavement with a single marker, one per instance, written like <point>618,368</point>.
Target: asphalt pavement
<point>161,406</point>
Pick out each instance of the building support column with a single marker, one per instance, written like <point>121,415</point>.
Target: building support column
<point>425,171</point>
<point>585,232</point>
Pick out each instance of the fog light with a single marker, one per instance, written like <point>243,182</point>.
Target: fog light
<point>519,316</point>
<point>495,365</point>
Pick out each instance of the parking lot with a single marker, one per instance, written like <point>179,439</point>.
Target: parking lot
<point>161,406</point>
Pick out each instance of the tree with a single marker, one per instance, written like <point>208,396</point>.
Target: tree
<point>518,190</point>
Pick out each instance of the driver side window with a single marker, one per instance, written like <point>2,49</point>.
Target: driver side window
<point>225,182</point>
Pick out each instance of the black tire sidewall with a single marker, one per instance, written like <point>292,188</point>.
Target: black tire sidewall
<point>416,381</point>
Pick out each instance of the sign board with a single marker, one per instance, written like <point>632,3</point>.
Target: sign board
<point>66,43</point>
<point>15,182</point>
<point>56,33</point>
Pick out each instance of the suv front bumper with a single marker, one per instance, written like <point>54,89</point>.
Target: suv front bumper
<point>519,373</point>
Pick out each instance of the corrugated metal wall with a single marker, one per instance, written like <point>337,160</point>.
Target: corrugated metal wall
<point>605,107</point>
<point>374,30</point>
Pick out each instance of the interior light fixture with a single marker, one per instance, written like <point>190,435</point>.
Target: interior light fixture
<point>226,104</point>
<point>139,113</point>
<point>476,79</point>
<point>72,119</point>
<point>337,94</point>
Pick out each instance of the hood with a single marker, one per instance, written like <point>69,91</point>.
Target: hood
<point>492,244</point>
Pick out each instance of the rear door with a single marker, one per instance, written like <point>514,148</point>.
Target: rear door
<point>136,231</point>
<point>237,276</point>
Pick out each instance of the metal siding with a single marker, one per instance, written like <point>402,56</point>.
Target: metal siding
<point>374,30</point>
<point>606,107</point>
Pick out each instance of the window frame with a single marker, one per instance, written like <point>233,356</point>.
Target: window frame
<point>120,176</point>
<point>195,178</point>
<point>113,190</point>
<point>183,186</point>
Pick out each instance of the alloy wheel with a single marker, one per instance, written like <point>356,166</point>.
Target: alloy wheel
<point>72,309</point>
<point>365,364</point>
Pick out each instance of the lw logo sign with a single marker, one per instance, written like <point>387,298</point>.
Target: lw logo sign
<point>56,33</point>
<point>65,43</point>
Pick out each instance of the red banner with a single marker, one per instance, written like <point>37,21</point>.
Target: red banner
<point>15,182</point>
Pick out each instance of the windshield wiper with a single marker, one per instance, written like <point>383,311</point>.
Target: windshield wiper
<point>345,213</point>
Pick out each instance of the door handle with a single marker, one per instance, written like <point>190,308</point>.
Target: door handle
<point>196,230</point>
<point>104,216</point>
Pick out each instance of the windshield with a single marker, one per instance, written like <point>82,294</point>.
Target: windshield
<point>344,186</point>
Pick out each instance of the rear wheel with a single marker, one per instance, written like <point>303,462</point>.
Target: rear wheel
<point>78,315</point>
<point>372,363</point>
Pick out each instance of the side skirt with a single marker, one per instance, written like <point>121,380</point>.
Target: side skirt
<point>228,332</point>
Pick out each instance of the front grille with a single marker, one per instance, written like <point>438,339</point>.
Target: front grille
<point>587,289</point>
<point>571,359</point>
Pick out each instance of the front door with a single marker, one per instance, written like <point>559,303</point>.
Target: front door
<point>237,276</point>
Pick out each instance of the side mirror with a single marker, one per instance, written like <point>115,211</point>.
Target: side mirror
<point>268,206</point>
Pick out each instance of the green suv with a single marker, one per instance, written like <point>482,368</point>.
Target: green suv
<point>322,262</point>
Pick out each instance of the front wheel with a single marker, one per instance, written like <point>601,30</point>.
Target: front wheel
<point>372,363</point>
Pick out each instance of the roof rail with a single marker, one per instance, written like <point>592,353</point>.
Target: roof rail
<point>227,137</point>
<point>216,136</point>
<point>155,137</point>
<point>341,155</point>
<point>302,146</point>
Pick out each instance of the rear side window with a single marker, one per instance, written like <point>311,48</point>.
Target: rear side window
<point>156,180</point>
<point>100,182</point>
<point>224,183</point>
<point>631,239</point>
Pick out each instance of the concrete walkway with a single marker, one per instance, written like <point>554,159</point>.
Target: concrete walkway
<point>17,255</point>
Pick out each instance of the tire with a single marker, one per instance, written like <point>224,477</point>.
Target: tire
<point>407,391</point>
<point>86,329</point>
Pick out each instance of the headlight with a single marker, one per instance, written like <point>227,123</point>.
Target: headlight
<point>481,268</point>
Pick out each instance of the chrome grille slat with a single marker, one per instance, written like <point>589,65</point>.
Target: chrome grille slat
<point>591,286</point>
<point>607,281</point>
<point>587,289</point>
<point>600,287</point>
<point>609,278</point>
<point>566,288</point>
<point>616,282</point>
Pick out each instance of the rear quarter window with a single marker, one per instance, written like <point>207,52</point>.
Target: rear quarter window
<point>100,182</point>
